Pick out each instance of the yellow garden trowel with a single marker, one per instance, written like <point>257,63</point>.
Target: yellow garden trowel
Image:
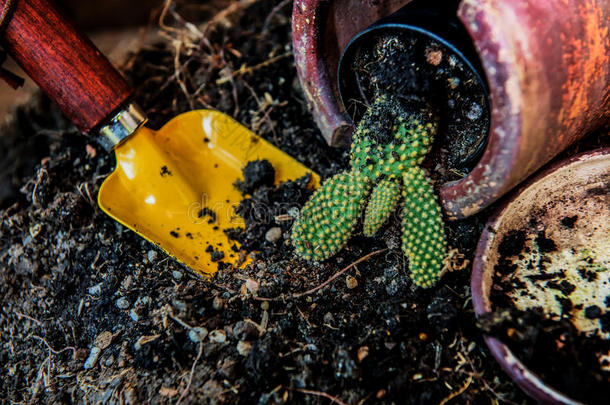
<point>174,186</point>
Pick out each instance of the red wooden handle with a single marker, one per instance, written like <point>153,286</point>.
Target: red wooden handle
<point>64,63</point>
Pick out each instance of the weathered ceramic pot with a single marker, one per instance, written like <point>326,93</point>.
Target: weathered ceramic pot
<point>547,65</point>
<point>570,204</point>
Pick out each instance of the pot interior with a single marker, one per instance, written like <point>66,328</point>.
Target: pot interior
<point>552,248</point>
<point>548,250</point>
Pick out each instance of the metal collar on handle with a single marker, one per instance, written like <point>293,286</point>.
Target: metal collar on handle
<point>121,126</point>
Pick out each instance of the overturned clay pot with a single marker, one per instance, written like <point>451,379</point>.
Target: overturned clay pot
<point>549,248</point>
<point>547,65</point>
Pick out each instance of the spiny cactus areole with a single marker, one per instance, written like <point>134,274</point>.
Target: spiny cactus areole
<point>390,159</point>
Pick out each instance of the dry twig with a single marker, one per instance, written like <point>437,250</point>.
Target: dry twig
<point>321,394</point>
<point>324,284</point>
<point>245,70</point>
<point>188,385</point>
<point>459,392</point>
<point>273,13</point>
<point>232,9</point>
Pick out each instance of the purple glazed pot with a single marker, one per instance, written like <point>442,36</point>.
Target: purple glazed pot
<point>547,64</point>
<point>575,180</point>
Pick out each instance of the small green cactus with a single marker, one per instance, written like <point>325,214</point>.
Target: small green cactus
<point>390,159</point>
<point>423,233</point>
<point>381,204</point>
<point>330,216</point>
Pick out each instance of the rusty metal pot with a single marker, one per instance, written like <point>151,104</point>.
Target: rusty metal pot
<point>547,65</point>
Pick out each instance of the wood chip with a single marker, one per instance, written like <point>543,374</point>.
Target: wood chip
<point>351,282</point>
<point>103,340</point>
<point>252,286</point>
<point>363,352</point>
<point>168,392</point>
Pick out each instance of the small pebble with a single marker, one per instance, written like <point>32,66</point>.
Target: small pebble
<point>103,340</point>
<point>177,274</point>
<point>218,303</point>
<point>475,112</point>
<point>218,336</point>
<point>95,290</point>
<point>329,318</point>
<point>252,286</point>
<point>92,359</point>
<point>351,282</point>
<point>198,334</point>
<point>243,347</point>
<point>152,255</point>
<point>265,305</point>
<point>243,330</point>
<point>274,234</point>
<point>134,315</point>
<point>122,303</point>
<point>109,361</point>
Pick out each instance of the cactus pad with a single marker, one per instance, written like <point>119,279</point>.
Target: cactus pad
<point>423,240</point>
<point>381,204</point>
<point>329,217</point>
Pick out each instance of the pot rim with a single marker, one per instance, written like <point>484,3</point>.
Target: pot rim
<point>529,381</point>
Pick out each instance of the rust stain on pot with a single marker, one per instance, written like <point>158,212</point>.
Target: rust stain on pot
<point>588,61</point>
<point>548,68</point>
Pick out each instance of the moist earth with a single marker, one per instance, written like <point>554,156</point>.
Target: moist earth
<point>93,313</point>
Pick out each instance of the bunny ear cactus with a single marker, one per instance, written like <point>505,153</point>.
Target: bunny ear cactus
<point>390,158</point>
<point>423,233</point>
<point>330,216</point>
<point>381,204</point>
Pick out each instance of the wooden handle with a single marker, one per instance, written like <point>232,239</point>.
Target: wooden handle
<point>64,63</point>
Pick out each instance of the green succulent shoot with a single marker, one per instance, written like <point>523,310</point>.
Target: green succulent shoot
<point>388,161</point>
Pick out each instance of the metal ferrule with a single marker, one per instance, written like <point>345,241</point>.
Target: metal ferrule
<point>122,126</point>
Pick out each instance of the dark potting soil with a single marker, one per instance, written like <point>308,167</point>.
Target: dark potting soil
<point>256,174</point>
<point>554,349</point>
<point>569,222</point>
<point>268,207</point>
<point>276,332</point>
<point>71,275</point>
